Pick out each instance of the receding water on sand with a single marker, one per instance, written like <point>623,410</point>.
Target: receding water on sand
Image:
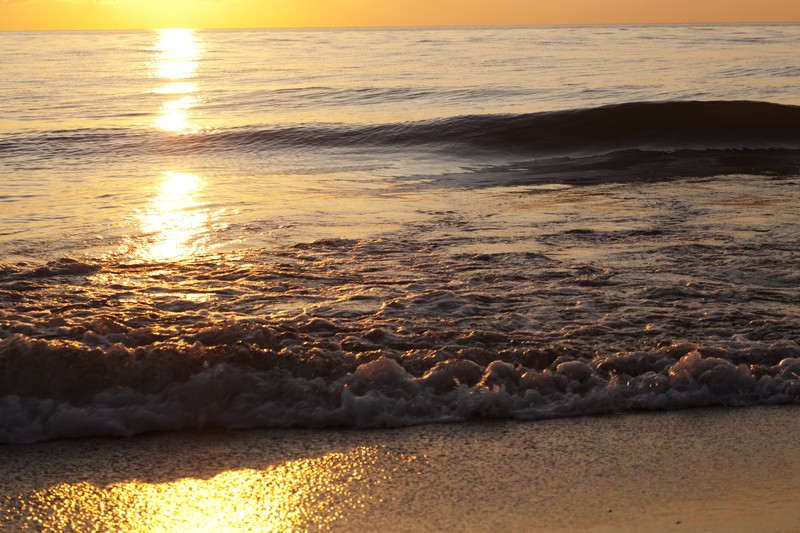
<point>700,470</point>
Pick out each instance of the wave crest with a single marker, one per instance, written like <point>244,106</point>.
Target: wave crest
<point>668,125</point>
<point>637,125</point>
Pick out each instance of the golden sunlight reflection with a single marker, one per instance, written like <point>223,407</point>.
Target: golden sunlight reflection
<point>177,58</point>
<point>178,52</point>
<point>177,87</point>
<point>175,115</point>
<point>297,495</point>
<point>175,222</point>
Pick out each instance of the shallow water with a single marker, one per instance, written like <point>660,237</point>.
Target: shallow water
<point>201,229</point>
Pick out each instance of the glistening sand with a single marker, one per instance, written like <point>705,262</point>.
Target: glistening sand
<point>694,470</point>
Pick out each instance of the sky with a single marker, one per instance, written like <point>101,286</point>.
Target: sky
<point>145,14</point>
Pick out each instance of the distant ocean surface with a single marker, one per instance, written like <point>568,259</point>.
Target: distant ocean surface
<point>387,227</point>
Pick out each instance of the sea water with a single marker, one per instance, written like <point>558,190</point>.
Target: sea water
<point>384,227</point>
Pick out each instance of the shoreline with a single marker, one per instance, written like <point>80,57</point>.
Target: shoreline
<point>708,469</point>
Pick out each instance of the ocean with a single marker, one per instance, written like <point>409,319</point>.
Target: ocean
<point>375,228</point>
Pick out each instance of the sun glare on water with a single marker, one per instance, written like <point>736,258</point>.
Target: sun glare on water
<point>177,58</point>
<point>176,220</point>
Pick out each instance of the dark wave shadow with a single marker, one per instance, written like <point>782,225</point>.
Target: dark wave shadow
<point>625,166</point>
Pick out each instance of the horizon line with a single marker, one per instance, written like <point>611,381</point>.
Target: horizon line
<point>422,26</point>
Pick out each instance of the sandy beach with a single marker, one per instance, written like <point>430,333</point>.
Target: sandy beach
<point>695,470</point>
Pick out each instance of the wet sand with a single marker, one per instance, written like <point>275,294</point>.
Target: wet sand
<point>696,470</point>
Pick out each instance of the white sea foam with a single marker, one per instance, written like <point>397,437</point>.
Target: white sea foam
<point>383,394</point>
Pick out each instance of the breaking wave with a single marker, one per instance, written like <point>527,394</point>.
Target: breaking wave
<point>229,383</point>
<point>380,333</point>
